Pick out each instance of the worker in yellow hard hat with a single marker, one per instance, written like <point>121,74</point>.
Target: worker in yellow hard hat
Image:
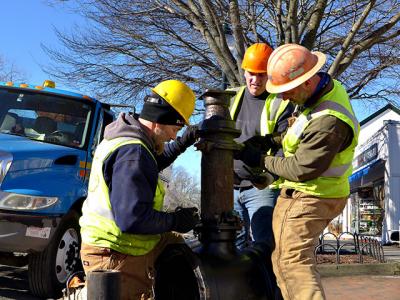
<point>262,116</point>
<point>123,226</point>
<point>319,147</point>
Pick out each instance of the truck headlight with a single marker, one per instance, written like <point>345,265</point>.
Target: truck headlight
<point>25,202</point>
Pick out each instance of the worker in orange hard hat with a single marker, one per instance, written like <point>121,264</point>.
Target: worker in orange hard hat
<point>262,116</point>
<point>254,63</point>
<point>318,147</point>
<point>123,225</point>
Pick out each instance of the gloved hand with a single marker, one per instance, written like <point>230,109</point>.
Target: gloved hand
<point>250,155</point>
<point>185,219</point>
<point>263,143</point>
<point>260,178</point>
<point>188,137</point>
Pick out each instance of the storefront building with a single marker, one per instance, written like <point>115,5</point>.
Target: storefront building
<point>373,208</point>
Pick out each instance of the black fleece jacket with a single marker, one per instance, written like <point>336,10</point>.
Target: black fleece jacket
<point>131,175</point>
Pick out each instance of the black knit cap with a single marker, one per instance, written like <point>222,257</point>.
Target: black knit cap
<point>157,110</point>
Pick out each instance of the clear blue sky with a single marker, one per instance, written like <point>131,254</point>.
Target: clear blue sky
<point>26,24</point>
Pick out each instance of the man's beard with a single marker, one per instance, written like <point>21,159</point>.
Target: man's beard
<point>158,141</point>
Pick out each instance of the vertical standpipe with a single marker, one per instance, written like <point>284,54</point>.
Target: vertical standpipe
<point>217,132</point>
<point>215,270</point>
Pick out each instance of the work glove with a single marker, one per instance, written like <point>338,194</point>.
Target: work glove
<point>185,219</point>
<point>260,178</point>
<point>250,155</point>
<point>188,137</point>
<point>254,150</point>
<point>264,143</point>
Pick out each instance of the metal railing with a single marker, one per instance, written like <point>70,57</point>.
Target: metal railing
<point>357,245</point>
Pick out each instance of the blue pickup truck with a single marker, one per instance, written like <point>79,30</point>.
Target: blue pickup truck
<point>47,140</point>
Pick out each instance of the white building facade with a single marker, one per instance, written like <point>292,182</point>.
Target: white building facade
<point>374,205</point>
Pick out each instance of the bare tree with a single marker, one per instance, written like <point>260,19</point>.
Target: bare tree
<point>9,71</point>
<point>182,189</point>
<point>129,46</point>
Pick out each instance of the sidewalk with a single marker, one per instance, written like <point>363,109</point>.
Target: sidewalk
<point>364,281</point>
<point>365,287</point>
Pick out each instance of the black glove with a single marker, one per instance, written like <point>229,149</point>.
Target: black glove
<point>185,219</point>
<point>250,155</point>
<point>188,137</point>
<point>260,178</point>
<point>264,143</point>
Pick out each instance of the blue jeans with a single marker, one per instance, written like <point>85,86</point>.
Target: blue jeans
<point>255,208</point>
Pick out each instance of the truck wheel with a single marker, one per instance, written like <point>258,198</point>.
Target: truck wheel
<point>49,270</point>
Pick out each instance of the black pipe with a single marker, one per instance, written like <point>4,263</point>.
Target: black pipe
<point>219,225</point>
<point>104,285</point>
<point>215,270</point>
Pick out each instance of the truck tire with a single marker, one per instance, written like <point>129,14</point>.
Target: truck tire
<point>49,270</point>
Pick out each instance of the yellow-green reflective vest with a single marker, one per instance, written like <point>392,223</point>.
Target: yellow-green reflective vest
<point>333,183</point>
<point>273,109</point>
<point>98,227</point>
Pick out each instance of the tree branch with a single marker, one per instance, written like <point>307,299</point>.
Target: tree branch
<point>313,24</point>
<point>369,41</point>
<point>346,43</point>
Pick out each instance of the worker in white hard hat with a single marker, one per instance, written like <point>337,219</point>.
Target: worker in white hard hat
<point>319,147</point>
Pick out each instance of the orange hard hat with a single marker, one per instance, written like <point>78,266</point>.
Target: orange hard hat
<point>255,58</point>
<point>291,65</point>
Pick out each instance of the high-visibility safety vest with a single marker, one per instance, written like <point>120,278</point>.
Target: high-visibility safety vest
<point>273,109</point>
<point>98,227</point>
<point>333,182</point>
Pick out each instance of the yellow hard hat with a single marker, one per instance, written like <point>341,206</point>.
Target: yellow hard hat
<point>255,58</point>
<point>178,95</point>
<point>291,65</point>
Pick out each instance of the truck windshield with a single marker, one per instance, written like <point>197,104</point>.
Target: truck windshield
<point>43,117</point>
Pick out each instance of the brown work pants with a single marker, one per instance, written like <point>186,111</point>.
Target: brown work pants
<point>298,220</point>
<point>137,272</point>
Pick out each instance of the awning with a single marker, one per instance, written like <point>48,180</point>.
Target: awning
<point>370,173</point>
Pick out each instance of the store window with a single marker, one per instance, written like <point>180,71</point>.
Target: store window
<point>368,209</point>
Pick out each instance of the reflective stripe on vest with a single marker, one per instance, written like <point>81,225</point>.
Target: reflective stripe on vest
<point>98,227</point>
<point>333,182</point>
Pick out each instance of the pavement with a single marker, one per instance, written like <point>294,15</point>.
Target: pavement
<point>341,282</point>
<point>365,287</point>
<point>364,281</point>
